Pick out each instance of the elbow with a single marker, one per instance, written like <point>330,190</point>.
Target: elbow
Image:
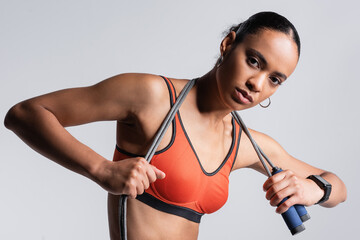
<point>339,195</point>
<point>343,192</point>
<point>16,115</point>
<point>11,116</point>
<point>338,192</point>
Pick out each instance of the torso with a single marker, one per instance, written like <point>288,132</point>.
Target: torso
<point>135,133</point>
<point>135,136</point>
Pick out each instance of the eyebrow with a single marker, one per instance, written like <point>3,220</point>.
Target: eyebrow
<point>264,62</point>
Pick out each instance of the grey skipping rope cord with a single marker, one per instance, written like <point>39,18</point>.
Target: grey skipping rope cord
<point>159,135</point>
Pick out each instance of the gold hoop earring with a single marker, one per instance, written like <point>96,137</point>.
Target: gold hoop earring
<point>266,106</point>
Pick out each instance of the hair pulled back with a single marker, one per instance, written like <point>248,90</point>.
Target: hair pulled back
<point>265,20</point>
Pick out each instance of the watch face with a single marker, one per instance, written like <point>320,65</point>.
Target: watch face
<point>322,180</point>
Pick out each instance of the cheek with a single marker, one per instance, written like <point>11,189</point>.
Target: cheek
<point>233,72</point>
<point>268,92</point>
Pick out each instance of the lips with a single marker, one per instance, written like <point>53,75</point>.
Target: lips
<point>244,96</point>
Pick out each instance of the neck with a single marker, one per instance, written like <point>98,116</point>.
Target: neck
<point>208,99</point>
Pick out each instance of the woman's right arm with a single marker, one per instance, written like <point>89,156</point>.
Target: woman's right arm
<point>40,122</point>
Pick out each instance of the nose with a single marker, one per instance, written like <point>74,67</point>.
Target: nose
<point>256,83</point>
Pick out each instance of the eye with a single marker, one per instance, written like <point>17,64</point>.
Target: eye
<point>253,62</point>
<point>276,81</point>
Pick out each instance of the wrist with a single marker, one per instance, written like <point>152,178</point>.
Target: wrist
<point>323,186</point>
<point>97,170</point>
<point>316,192</point>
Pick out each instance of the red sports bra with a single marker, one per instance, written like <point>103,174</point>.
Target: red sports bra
<point>187,190</point>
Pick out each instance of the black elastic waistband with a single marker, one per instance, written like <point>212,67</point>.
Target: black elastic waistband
<point>184,212</point>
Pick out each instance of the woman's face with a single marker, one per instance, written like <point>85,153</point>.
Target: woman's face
<point>255,68</point>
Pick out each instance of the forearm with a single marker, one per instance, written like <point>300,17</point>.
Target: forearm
<point>338,190</point>
<point>41,130</point>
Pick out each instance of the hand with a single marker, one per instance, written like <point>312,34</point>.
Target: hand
<point>129,176</point>
<point>287,184</point>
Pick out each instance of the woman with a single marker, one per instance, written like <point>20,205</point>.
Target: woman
<point>189,174</point>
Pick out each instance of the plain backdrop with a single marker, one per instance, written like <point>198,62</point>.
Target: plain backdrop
<point>46,45</point>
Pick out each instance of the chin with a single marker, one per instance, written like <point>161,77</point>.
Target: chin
<point>242,107</point>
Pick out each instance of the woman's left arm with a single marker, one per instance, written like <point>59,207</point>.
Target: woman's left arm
<point>292,182</point>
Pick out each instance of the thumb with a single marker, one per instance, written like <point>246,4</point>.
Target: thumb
<point>159,174</point>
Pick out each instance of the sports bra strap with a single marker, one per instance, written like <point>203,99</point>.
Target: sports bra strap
<point>171,89</point>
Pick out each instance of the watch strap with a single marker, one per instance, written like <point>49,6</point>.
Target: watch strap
<point>323,184</point>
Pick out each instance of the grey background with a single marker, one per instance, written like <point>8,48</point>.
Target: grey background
<point>50,45</point>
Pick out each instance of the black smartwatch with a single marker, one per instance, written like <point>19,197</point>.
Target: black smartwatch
<point>324,185</point>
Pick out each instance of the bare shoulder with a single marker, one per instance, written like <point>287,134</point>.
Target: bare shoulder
<point>135,93</point>
<point>266,142</point>
<point>137,89</point>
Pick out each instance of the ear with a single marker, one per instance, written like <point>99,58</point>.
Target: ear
<point>227,42</point>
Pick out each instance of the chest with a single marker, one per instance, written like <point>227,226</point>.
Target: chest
<point>188,183</point>
<point>210,147</point>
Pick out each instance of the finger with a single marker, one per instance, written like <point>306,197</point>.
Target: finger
<point>130,189</point>
<point>285,205</point>
<point>140,181</point>
<point>279,196</point>
<point>159,174</point>
<point>132,194</point>
<point>139,188</point>
<point>151,175</point>
<point>275,188</point>
<point>145,182</point>
<point>143,177</point>
<point>141,169</point>
<point>273,179</point>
